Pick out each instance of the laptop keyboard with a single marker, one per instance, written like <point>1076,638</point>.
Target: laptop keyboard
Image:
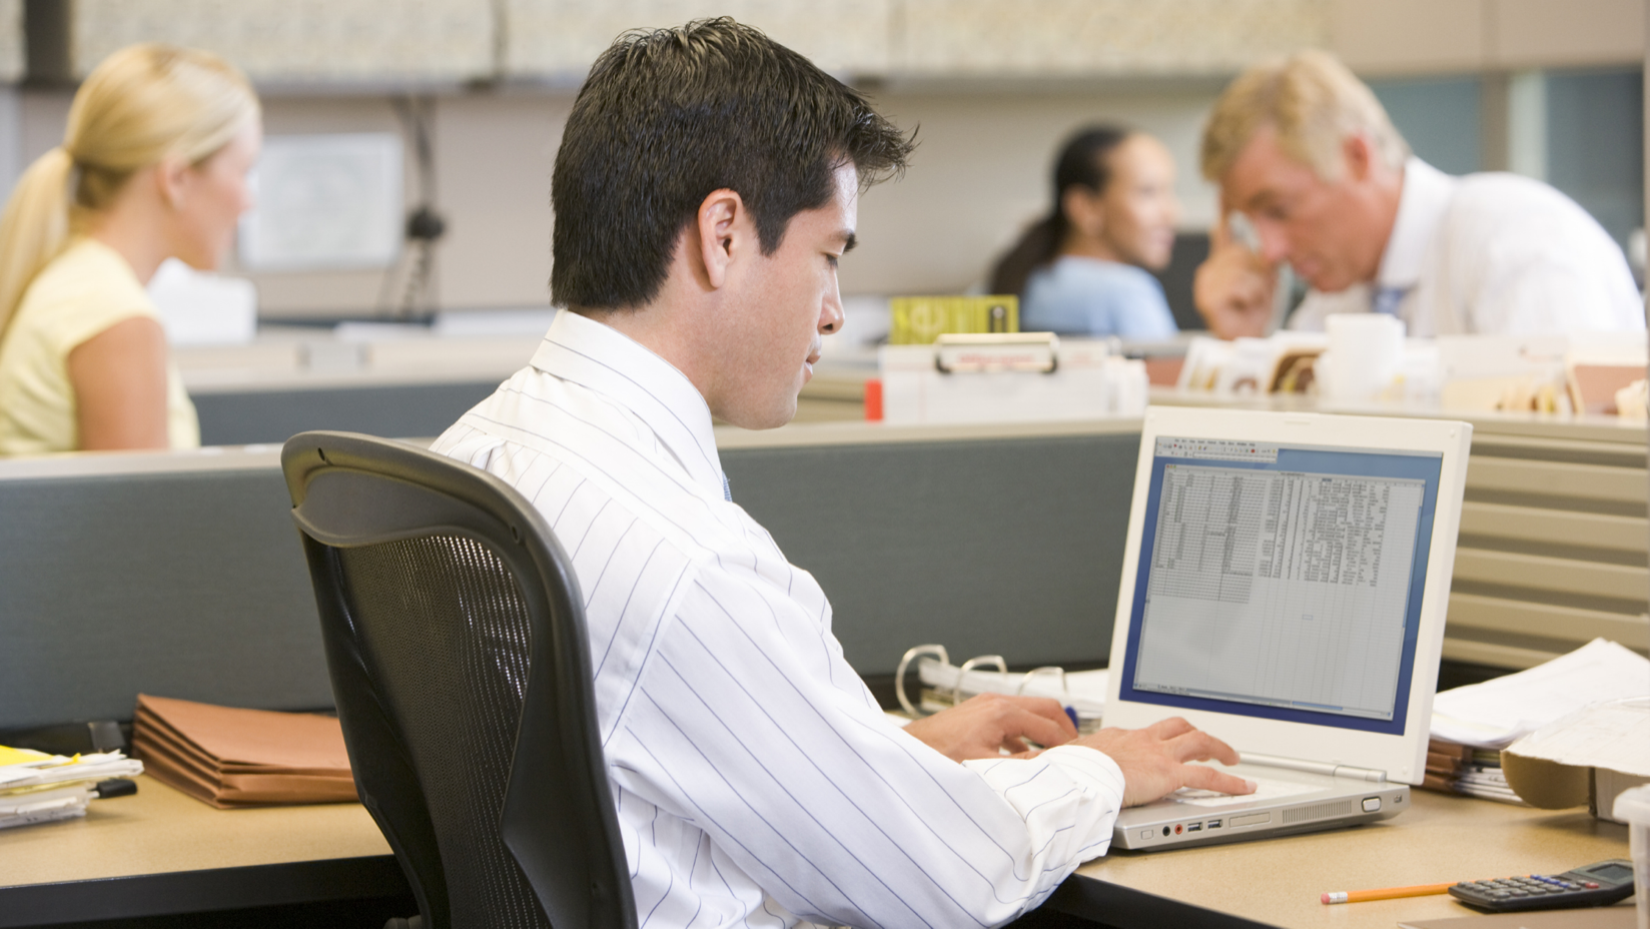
<point>1265,790</point>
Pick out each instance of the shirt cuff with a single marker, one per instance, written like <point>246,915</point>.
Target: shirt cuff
<point>1091,766</point>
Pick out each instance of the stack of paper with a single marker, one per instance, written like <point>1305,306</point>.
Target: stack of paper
<point>1463,770</point>
<point>36,787</point>
<point>230,757</point>
<point>1471,724</point>
<point>1493,714</point>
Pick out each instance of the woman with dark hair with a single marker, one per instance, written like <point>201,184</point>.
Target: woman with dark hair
<point>1082,269</point>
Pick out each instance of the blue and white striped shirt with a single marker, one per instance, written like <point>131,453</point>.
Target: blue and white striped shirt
<point>757,782</point>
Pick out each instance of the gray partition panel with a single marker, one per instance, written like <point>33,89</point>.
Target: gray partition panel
<point>237,418</point>
<point>185,580</point>
<point>188,584</point>
<point>1011,546</point>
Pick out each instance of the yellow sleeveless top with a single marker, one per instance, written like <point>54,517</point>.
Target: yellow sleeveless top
<point>84,291</point>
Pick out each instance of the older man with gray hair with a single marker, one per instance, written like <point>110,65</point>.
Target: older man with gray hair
<point>1303,149</point>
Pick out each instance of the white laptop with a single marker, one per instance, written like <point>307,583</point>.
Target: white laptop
<point>1284,588</point>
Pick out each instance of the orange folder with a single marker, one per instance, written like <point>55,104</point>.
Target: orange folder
<point>235,757</point>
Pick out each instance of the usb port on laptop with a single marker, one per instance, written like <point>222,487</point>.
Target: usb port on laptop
<point>1194,826</point>
<point>1214,824</point>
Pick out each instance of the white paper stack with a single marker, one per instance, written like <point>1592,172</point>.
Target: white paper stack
<point>1493,714</point>
<point>1473,723</point>
<point>36,787</point>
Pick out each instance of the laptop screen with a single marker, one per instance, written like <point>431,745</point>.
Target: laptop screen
<point>1281,581</point>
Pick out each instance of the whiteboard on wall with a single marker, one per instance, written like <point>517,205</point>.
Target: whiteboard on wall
<point>325,202</point>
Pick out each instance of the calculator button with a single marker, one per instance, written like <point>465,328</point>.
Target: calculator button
<point>1591,885</point>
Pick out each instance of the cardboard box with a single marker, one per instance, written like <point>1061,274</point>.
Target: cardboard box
<point>1587,758</point>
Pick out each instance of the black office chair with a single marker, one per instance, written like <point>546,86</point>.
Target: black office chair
<point>455,639</point>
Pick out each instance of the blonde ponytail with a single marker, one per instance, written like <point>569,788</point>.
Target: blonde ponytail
<point>34,227</point>
<point>143,104</point>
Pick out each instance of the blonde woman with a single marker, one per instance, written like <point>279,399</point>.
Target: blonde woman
<point>153,166</point>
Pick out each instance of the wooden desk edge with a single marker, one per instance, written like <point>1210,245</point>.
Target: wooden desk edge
<point>186,891</point>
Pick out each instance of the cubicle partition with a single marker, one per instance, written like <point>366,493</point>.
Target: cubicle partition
<point>386,380</point>
<point>1555,546</point>
<point>182,575</point>
<point>989,539</point>
<point>265,414</point>
<point>174,574</point>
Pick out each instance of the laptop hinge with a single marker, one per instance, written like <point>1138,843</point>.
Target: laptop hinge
<point>1314,766</point>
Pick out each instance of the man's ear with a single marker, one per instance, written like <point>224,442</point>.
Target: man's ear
<point>721,223</point>
<point>1360,156</point>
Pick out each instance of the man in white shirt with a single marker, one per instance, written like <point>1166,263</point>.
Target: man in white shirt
<point>1303,149</point>
<point>706,186</point>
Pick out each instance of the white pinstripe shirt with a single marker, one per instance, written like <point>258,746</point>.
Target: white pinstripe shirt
<point>757,782</point>
<point>1491,253</point>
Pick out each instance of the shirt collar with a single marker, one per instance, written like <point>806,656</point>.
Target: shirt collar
<point>586,352</point>
<point>1426,195</point>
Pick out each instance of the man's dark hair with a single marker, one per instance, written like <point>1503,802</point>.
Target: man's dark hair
<point>668,116</point>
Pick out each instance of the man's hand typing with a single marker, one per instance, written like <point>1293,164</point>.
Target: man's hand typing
<point>987,724</point>
<point>1154,760</point>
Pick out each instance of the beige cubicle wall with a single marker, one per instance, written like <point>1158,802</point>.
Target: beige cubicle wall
<point>1553,542</point>
<point>383,380</point>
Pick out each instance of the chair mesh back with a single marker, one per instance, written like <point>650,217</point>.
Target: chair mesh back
<point>443,629</point>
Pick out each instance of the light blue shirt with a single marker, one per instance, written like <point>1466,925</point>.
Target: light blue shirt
<point>1081,296</point>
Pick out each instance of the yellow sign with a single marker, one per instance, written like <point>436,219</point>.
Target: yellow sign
<point>918,320</point>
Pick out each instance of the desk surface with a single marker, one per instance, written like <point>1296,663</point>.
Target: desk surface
<point>1275,881</point>
<point>161,830</point>
<point>1441,838</point>
<point>161,852</point>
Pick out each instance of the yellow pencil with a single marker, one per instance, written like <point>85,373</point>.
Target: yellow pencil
<point>1399,892</point>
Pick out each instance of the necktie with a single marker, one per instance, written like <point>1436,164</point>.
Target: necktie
<point>1388,299</point>
<point>727,490</point>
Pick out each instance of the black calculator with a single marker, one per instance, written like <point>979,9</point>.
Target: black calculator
<point>1603,883</point>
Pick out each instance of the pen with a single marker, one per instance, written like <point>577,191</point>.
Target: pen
<point>1397,892</point>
